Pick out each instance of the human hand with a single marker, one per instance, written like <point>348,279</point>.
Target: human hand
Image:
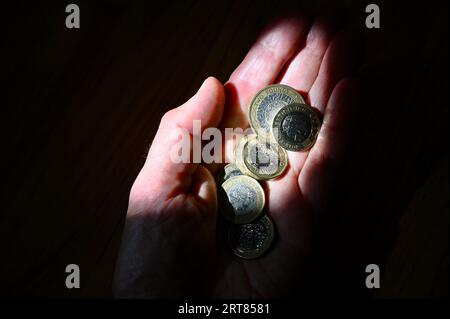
<point>170,246</point>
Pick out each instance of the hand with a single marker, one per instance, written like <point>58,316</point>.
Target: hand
<point>170,246</point>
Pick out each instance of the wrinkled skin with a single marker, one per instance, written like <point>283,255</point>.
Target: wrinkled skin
<point>170,246</point>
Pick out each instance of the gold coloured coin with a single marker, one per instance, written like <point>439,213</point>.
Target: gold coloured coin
<point>267,103</point>
<point>246,198</point>
<point>295,127</point>
<point>260,158</point>
<point>250,241</point>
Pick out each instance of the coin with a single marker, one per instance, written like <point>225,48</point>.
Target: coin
<point>267,103</point>
<point>231,170</point>
<point>260,158</point>
<point>251,240</point>
<point>246,197</point>
<point>238,155</point>
<point>228,171</point>
<point>295,127</point>
<point>224,206</point>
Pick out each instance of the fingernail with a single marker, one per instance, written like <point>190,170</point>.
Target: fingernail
<point>203,84</point>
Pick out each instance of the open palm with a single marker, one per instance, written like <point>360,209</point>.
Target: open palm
<point>170,246</point>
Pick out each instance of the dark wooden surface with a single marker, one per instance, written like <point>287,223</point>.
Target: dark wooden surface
<point>82,107</point>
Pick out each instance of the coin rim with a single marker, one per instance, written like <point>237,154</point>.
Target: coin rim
<point>259,251</point>
<point>281,152</point>
<point>238,156</point>
<point>227,170</point>
<point>315,127</point>
<point>241,219</point>
<point>253,107</point>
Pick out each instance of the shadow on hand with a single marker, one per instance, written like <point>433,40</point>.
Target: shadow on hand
<point>384,164</point>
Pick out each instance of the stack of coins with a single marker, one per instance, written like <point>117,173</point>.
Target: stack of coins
<point>281,121</point>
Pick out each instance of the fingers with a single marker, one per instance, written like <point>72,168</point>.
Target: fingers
<point>313,69</point>
<point>262,65</point>
<point>341,59</point>
<point>303,69</point>
<point>206,106</point>
<point>162,177</point>
<point>320,169</point>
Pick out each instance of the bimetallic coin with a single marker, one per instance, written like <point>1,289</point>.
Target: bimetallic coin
<point>224,204</point>
<point>238,156</point>
<point>267,103</point>
<point>231,170</point>
<point>252,240</point>
<point>295,127</point>
<point>262,159</point>
<point>246,197</point>
<point>228,171</point>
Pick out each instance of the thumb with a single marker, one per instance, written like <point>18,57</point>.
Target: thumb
<point>161,178</point>
<point>206,105</point>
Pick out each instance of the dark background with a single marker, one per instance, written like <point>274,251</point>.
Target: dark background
<point>80,109</point>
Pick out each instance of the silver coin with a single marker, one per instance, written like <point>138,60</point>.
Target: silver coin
<point>267,103</point>
<point>251,240</point>
<point>295,127</point>
<point>246,198</point>
<point>231,170</point>
<point>264,159</point>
